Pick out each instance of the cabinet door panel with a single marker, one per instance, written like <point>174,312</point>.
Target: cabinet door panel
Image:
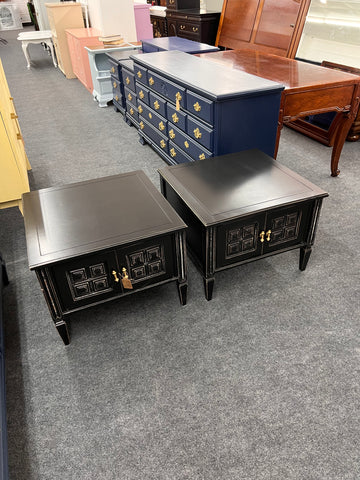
<point>148,262</point>
<point>242,21</point>
<point>287,226</point>
<point>283,14</point>
<point>239,240</point>
<point>86,280</point>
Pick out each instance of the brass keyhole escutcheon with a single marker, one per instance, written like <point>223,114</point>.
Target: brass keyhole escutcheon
<point>116,278</point>
<point>262,236</point>
<point>268,235</point>
<point>127,80</point>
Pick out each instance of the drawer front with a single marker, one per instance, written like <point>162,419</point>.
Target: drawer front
<point>132,110</point>
<point>200,133</point>
<point>130,96</point>
<point>128,79</point>
<point>177,117</point>
<point>115,71</point>
<point>142,93</point>
<point>86,280</point>
<point>141,74</point>
<point>154,118</point>
<point>155,136</point>
<point>147,48</point>
<point>168,89</point>
<point>157,103</point>
<point>188,28</point>
<point>177,154</point>
<point>148,262</point>
<point>238,240</point>
<point>192,148</point>
<point>200,107</point>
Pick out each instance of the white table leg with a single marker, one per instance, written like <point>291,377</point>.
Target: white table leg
<point>26,53</point>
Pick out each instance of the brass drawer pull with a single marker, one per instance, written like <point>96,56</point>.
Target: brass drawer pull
<point>182,27</point>
<point>142,125</point>
<point>117,98</point>
<point>150,115</point>
<point>197,107</point>
<point>139,74</point>
<point>116,278</point>
<point>130,96</point>
<point>161,126</point>
<point>172,152</point>
<point>140,109</point>
<point>151,81</point>
<point>268,235</point>
<point>156,105</point>
<point>127,80</point>
<point>162,143</point>
<point>197,133</point>
<point>141,94</point>
<point>262,236</point>
<point>131,111</point>
<point>186,143</point>
<point>171,134</point>
<point>195,29</point>
<point>112,70</point>
<point>175,118</point>
<point>202,156</point>
<point>114,85</point>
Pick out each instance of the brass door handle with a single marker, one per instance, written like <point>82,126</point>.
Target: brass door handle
<point>116,278</point>
<point>268,235</point>
<point>262,236</point>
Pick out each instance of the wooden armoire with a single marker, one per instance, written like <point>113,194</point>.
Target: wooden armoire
<point>272,26</point>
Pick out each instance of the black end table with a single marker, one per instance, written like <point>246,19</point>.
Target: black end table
<point>241,207</point>
<point>98,240</point>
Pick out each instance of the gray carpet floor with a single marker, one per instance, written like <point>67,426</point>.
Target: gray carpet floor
<point>260,383</point>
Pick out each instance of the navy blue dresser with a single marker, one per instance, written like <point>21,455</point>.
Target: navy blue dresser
<point>190,108</point>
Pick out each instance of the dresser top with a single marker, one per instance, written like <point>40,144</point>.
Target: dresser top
<point>80,218</point>
<point>180,44</point>
<point>208,78</point>
<point>230,186</point>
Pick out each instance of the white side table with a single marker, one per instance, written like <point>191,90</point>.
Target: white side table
<point>41,36</point>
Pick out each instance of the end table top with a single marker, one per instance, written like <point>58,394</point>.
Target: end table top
<point>181,44</point>
<point>80,218</point>
<point>222,188</point>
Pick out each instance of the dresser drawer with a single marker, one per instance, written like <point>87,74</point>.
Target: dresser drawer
<point>141,74</point>
<point>115,82</point>
<point>128,79</point>
<point>200,133</point>
<point>168,89</point>
<point>130,96</point>
<point>115,69</point>
<point>117,93</point>
<point>157,103</point>
<point>177,154</point>
<point>190,29</point>
<point>192,148</point>
<point>176,116</point>
<point>156,120</point>
<point>142,93</point>
<point>132,110</point>
<point>155,136</point>
<point>200,106</point>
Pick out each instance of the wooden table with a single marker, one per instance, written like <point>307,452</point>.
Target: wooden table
<point>309,89</point>
<point>95,241</point>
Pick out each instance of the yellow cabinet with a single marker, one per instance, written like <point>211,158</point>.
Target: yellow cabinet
<point>13,160</point>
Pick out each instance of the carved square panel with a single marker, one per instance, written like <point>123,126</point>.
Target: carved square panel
<point>78,275</point>
<point>277,236</point>
<point>154,268</point>
<point>153,253</point>
<point>234,235</point>
<point>290,232</point>
<point>278,223</point>
<point>247,244</point>
<point>138,272</point>
<point>101,284</point>
<point>97,270</point>
<point>233,248</point>
<point>136,258</point>
<point>291,219</point>
<point>248,231</point>
<point>81,289</point>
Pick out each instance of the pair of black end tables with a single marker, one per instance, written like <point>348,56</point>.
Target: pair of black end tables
<point>98,240</point>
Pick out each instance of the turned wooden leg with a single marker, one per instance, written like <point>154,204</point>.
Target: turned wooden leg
<point>304,257</point>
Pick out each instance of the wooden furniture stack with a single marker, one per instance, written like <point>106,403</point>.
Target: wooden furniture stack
<point>63,16</point>
<point>273,26</point>
<point>13,160</point>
